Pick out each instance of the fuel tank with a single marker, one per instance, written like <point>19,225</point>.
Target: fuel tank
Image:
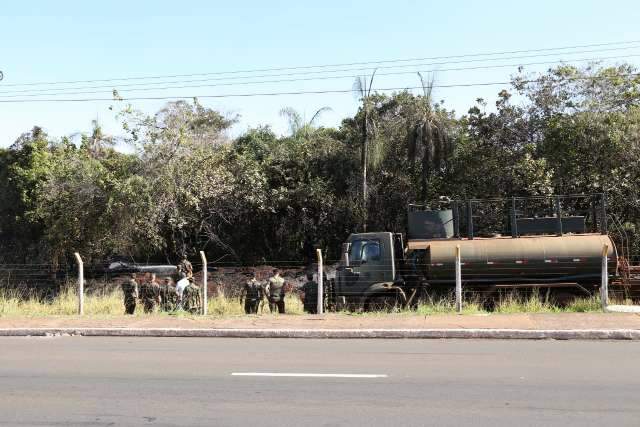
<point>529,259</point>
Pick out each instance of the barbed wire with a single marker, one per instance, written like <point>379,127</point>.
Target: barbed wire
<point>290,263</point>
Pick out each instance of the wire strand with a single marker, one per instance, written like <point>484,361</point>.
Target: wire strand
<point>312,92</point>
<point>327,65</point>
<point>480,67</point>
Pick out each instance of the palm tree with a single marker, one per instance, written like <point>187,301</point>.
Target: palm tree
<point>429,139</point>
<point>298,126</point>
<point>97,142</point>
<point>362,91</point>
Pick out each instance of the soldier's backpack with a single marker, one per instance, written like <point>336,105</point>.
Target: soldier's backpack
<point>253,291</point>
<point>191,299</point>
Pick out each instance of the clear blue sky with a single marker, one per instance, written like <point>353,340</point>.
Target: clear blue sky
<point>80,40</point>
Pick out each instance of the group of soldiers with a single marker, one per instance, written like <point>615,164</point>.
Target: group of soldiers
<point>166,296</point>
<point>185,294</point>
<point>255,294</point>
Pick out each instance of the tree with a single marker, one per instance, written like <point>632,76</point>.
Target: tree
<point>97,142</point>
<point>568,89</point>
<point>362,90</point>
<point>189,185</point>
<point>428,137</point>
<point>298,126</point>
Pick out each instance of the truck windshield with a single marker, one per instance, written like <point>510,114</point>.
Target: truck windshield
<point>364,250</point>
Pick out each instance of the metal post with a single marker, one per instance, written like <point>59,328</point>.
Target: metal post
<point>558,216</point>
<point>203,257</point>
<point>456,219</point>
<point>603,215</point>
<point>604,285</point>
<point>458,281</point>
<point>320,271</point>
<point>80,283</point>
<point>469,220</point>
<point>514,222</point>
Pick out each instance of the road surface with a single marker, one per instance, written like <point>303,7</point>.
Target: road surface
<point>82,381</point>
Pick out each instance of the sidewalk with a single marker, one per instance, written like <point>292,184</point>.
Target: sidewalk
<point>521,321</point>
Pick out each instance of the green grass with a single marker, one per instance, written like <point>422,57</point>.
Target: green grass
<point>106,303</point>
<point>447,306</point>
<point>511,303</point>
<point>532,303</point>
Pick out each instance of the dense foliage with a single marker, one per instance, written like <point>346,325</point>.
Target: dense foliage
<point>185,186</point>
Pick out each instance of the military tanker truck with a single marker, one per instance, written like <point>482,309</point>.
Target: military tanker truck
<point>552,244</point>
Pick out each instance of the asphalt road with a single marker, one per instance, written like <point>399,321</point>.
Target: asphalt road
<point>189,381</point>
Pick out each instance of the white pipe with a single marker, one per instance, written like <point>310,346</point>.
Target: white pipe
<point>320,279</point>
<point>604,285</point>
<point>80,283</point>
<point>458,280</point>
<point>203,257</point>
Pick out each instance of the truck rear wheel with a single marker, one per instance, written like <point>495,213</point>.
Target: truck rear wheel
<point>563,298</point>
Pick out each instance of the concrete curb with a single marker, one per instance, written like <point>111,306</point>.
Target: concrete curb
<point>541,334</point>
<point>623,308</point>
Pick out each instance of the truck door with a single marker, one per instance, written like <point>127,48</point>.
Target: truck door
<point>370,261</point>
<point>398,250</point>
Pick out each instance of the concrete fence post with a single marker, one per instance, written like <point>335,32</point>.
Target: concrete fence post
<point>458,280</point>
<point>203,257</point>
<point>320,279</point>
<point>604,284</point>
<point>80,283</point>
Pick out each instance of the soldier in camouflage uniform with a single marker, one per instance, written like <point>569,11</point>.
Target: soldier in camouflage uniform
<point>168,295</point>
<point>150,294</point>
<point>191,298</point>
<point>310,291</point>
<point>185,267</point>
<point>276,292</point>
<point>130,291</point>
<point>252,294</point>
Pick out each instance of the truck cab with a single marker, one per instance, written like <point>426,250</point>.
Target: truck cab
<point>376,271</point>
<point>368,275</point>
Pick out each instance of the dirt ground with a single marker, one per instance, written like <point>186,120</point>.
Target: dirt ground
<point>343,321</point>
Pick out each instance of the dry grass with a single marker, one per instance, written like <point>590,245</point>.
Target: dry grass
<point>225,306</point>
<point>109,303</point>
<point>19,303</point>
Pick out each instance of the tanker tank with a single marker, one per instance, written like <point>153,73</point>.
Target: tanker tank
<point>547,249</point>
<point>527,259</point>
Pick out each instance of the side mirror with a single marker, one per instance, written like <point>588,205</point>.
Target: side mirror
<point>346,247</point>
